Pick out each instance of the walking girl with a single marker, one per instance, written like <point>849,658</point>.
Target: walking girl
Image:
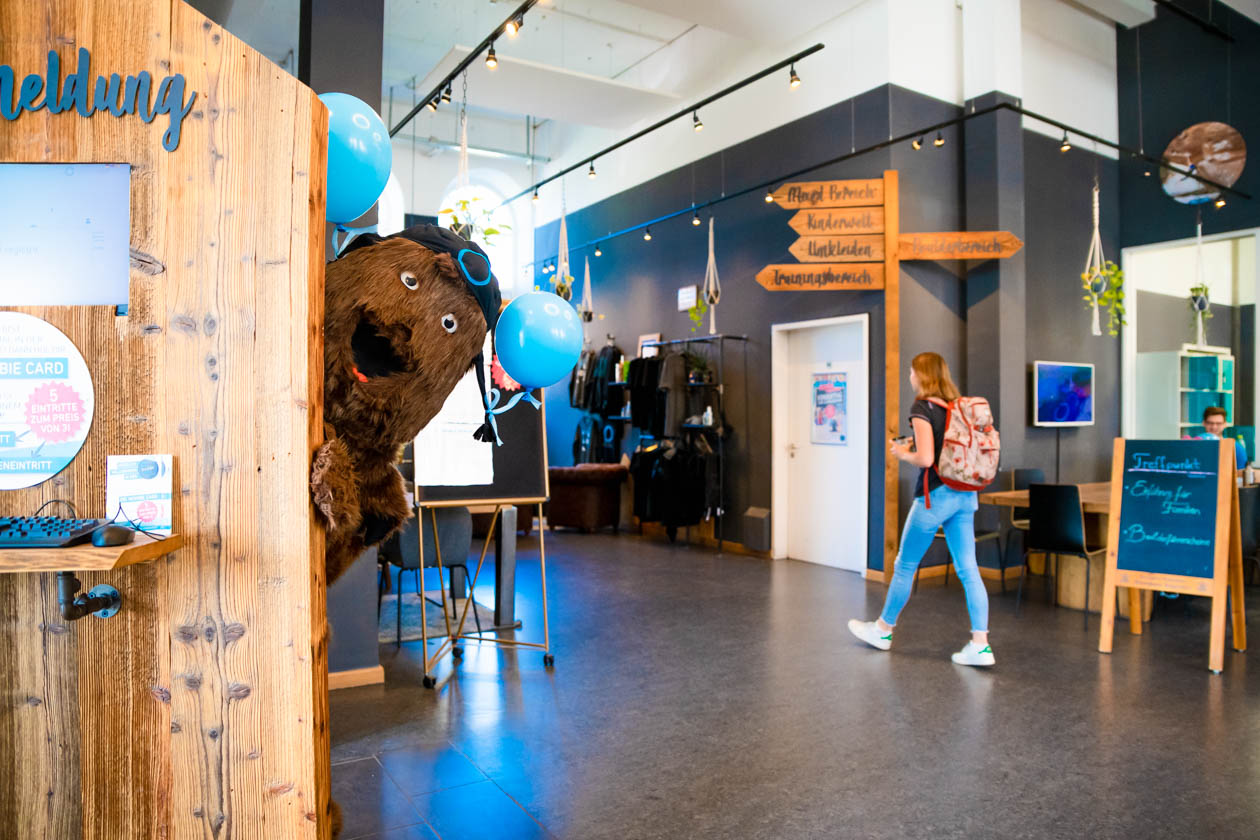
<point>943,507</point>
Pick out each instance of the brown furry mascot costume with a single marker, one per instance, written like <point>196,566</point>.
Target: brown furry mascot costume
<point>405,316</point>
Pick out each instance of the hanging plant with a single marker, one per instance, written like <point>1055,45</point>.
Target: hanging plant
<point>1104,289</point>
<point>697,313</point>
<point>1200,311</point>
<point>563,287</point>
<point>471,220</point>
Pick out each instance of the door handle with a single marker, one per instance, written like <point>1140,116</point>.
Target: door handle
<point>791,448</point>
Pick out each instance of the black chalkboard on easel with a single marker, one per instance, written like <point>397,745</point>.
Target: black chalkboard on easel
<point>1174,528</point>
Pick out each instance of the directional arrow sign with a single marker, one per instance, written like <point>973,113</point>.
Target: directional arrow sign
<point>962,245</point>
<point>830,194</point>
<point>830,222</point>
<point>838,248</point>
<point>816,277</point>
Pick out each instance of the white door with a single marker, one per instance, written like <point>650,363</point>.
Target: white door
<point>826,442</point>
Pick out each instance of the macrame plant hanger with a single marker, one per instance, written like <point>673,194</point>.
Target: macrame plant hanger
<point>1094,263</point>
<point>1200,300</point>
<point>562,280</point>
<point>712,285</point>
<point>462,177</point>
<point>586,307</point>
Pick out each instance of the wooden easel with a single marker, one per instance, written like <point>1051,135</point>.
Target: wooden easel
<point>450,643</point>
<point>1227,569</point>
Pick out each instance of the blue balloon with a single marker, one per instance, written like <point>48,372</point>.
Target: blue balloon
<point>359,156</point>
<point>538,339</point>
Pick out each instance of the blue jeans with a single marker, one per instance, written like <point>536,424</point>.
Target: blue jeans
<point>955,512</point>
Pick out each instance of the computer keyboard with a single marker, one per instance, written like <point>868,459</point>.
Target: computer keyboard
<point>45,531</point>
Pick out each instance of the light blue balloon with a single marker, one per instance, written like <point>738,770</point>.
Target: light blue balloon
<point>359,156</point>
<point>538,339</point>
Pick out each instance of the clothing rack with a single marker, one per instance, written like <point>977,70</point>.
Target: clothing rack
<point>720,389</point>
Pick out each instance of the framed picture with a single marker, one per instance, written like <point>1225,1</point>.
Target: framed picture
<point>830,412</point>
<point>649,352</point>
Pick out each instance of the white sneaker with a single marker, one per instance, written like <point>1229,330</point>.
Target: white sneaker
<point>974,654</point>
<point>869,632</point>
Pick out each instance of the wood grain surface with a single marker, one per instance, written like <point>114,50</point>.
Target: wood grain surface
<point>87,558</point>
<point>200,710</point>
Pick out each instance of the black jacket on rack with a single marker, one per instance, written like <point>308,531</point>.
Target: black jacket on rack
<point>599,396</point>
<point>643,380</point>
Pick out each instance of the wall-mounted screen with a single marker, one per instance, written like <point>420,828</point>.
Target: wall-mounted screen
<point>65,231</point>
<point>1063,394</point>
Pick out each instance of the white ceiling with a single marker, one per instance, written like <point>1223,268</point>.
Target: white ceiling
<point>763,21</point>
<point>529,87</point>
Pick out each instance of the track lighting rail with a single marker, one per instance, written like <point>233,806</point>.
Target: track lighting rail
<point>909,136</point>
<point>486,43</point>
<point>790,61</point>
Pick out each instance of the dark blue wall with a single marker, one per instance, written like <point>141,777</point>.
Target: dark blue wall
<point>1188,76</point>
<point>635,283</point>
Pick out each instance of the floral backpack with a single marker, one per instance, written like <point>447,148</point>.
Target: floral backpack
<point>970,450</point>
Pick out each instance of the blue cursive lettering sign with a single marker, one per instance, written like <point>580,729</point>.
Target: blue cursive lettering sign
<point>85,94</point>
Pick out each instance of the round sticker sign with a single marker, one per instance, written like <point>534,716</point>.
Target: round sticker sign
<point>46,400</point>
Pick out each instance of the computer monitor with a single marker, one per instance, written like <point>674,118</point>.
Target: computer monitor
<point>1063,394</point>
<point>65,234</point>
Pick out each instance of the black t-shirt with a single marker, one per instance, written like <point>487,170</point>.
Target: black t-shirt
<point>936,416</point>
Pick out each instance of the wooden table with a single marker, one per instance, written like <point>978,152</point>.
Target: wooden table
<point>1095,498</point>
<point>1096,502</point>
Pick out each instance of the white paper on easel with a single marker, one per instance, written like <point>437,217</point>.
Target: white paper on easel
<point>446,453</point>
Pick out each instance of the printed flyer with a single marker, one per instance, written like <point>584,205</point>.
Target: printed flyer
<point>46,400</point>
<point>831,416</point>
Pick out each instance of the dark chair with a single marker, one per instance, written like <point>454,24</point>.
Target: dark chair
<point>454,527</point>
<point>1056,527</point>
<point>1249,522</point>
<point>1021,479</point>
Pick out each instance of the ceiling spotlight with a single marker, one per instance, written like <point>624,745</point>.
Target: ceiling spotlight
<point>916,143</point>
<point>647,234</point>
<point>1066,145</point>
<point>939,141</point>
<point>695,218</point>
<point>535,196</point>
<point>514,25</point>
<point>1220,202</point>
<point>431,104</point>
<point>793,79</point>
<point>590,171</point>
<point>695,121</point>
<point>598,252</point>
<point>1147,173</point>
<point>492,60</point>
<point>446,94</point>
<point>769,197</point>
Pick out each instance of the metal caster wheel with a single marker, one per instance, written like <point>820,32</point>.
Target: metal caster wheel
<point>457,652</point>
<point>429,682</point>
<point>548,660</point>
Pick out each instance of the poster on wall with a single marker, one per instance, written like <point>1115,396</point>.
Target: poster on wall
<point>46,400</point>
<point>446,453</point>
<point>830,410</point>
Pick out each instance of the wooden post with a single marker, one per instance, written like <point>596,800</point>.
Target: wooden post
<point>1107,630</point>
<point>1224,544</point>
<point>892,363</point>
<point>200,710</point>
<point>1238,618</point>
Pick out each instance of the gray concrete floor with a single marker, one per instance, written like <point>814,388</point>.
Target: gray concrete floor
<point>698,695</point>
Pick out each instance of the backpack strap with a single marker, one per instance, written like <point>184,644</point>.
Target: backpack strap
<point>938,401</point>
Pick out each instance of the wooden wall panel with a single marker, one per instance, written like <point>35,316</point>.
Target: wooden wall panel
<point>201,709</point>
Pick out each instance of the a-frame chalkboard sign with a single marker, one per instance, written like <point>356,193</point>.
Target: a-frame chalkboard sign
<point>1174,527</point>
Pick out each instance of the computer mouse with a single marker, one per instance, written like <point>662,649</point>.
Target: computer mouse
<point>112,535</point>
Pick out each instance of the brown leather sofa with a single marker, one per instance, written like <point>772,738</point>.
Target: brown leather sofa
<point>587,496</point>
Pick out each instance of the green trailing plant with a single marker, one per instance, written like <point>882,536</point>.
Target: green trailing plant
<point>472,220</point>
<point>1104,289</point>
<point>697,313</point>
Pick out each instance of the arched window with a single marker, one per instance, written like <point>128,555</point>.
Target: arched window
<point>493,229</point>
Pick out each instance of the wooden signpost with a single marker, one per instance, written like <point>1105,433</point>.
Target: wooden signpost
<point>963,245</point>
<point>850,240</point>
<point>822,276</point>
<point>1174,527</point>
<point>838,248</point>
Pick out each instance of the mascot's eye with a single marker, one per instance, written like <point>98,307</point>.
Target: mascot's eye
<point>449,323</point>
<point>410,281</point>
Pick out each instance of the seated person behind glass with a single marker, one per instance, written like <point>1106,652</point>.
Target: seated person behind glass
<point>1214,427</point>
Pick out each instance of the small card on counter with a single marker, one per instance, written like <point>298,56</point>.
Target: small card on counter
<point>138,488</point>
